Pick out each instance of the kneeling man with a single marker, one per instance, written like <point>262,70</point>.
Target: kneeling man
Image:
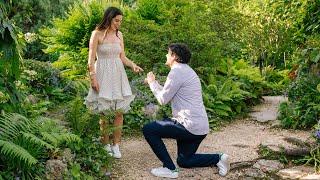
<point>189,123</point>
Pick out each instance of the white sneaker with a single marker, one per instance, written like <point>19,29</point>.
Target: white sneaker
<point>116,151</point>
<point>224,165</point>
<point>107,147</point>
<point>164,172</point>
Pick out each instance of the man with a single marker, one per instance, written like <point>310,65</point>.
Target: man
<point>189,124</point>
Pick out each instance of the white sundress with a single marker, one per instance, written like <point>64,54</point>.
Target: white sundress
<point>115,92</point>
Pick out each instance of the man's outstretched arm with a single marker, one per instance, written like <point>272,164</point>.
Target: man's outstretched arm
<point>165,94</point>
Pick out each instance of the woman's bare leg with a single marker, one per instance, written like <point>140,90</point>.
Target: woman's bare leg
<point>118,122</point>
<point>104,130</point>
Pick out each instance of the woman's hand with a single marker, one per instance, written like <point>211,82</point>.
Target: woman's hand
<point>94,83</point>
<point>136,68</point>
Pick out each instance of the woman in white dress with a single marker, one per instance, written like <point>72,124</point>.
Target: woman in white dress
<point>110,90</point>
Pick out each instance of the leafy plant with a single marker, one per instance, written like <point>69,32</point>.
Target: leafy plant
<point>11,45</point>
<point>277,80</point>
<point>70,37</point>
<point>302,110</point>
<point>26,143</point>
<point>218,98</point>
<point>81,122</point>
<point>91,160</point>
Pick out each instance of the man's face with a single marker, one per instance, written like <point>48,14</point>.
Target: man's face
<point>170,58</point>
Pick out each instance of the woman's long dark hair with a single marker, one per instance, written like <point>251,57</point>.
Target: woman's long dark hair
<point>109,14</point>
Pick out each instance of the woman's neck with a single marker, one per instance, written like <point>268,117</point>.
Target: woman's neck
<point>110,31</point>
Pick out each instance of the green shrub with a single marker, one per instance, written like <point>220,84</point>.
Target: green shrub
<point>69,38</point>
<point>230,92</point>
<point>11,45</point>
<point>277,80</point>
<point>251,81</point>
<point>303,109</point>
<point>32,14</point>
<point>25,144</point>
<point>148,31</point>
<point>80,121</point>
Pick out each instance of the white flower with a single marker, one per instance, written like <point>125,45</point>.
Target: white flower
<point>30,37</point>
<point>30,72</point>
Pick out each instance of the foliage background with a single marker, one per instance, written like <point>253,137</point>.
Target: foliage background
<point>241,50</point>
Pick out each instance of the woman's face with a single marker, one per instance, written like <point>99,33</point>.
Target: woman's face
<point>116,22</point>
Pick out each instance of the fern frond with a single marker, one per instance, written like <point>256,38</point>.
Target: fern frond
<point>14,151</point>
<point>82,84</point>
<point>67,137</point>
<point>36,140</point>
<point>51,138</point>
<point>48,125</point>
<point>225,87</point>
<point>12,124</point>
<point>7,133</point>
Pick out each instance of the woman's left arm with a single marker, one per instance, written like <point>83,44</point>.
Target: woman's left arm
<point>124,59</point>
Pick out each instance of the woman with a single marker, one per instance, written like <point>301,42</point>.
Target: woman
<point>110,90</point>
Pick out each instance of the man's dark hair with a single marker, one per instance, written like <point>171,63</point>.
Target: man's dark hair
<point>182,51</point>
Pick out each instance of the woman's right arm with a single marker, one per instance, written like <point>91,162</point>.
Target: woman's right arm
<point>92,58</point>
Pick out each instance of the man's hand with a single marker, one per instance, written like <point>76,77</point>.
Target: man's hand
<point>150,77</point>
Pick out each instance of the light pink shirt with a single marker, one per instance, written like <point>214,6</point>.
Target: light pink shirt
<point>183,89</point>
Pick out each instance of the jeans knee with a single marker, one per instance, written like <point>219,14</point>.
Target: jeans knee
<point>182,162</point>
<point>146,129</point>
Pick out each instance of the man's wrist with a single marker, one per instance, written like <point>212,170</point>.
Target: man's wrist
<point>152,81</point>
<point>152,85</point>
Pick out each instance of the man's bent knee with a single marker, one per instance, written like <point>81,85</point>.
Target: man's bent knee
<point>182,162</point>
<point>147,129</point>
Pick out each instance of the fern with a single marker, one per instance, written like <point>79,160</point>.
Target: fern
<point>11,127</point>
<point>50,138</point>
<point>12,124</point>
<point>67,137</point>
<point>36,140</point>
<point>15,151</point>
<point>58,138</point>
<point>54,133</point>
<point>42,134</point>
<point>48,125</point>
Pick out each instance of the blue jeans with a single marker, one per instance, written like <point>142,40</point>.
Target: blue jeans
<point>187,143</point>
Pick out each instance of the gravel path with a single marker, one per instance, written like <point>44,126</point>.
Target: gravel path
<point>240,139</point>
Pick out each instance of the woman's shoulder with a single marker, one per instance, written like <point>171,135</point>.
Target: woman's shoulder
<point>120,34</point>
<point>97,32</point>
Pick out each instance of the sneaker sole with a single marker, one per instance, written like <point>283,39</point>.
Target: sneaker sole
<point>164,176</point>
<point>117,157</point>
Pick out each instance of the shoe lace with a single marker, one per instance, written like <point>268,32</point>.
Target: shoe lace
<point>176,170</point>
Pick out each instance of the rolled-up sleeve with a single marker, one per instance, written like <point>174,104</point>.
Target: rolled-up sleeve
<point>171,86</point>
